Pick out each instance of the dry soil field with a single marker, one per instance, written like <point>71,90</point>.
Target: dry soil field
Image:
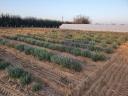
<point>53,62</point>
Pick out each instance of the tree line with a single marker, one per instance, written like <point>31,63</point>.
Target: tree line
<point>16,21</point>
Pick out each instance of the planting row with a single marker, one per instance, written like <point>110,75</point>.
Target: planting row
<point>102,40</point>
<point>77,43</point>
<point>43,54</point>
<point>91,44</point>
<point>72,50</point>
<point>83,43</point>
<point>86,44</point>
<point>24,77</point>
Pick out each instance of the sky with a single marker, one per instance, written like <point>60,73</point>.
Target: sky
<point>99,11</point>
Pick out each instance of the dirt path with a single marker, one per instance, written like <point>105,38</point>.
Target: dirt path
<point>113,81</point>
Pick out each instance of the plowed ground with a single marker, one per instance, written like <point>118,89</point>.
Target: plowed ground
<point>113,80</point>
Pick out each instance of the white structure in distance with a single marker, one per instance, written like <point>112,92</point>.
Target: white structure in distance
<point>96,27</point>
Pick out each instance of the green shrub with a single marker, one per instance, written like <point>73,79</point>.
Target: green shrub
<point>67,62</point>
<point>76,51</point>
<point>86,53</point>
<point>94,48</point>
<point>26,78</point>
<point>108,41</point>
<point>28,50</point>
<point>109,50</point>
<point>3,41</point>
<point>36,87</point>
<point>42,54</point>
<point>18,73</point>
<point>98,56</point>
<point>15,72</point>
<point>103,44</point>
<point>3,64</point>
<point>115,45</point>
<point>20,47</point>
<point>11,37</point>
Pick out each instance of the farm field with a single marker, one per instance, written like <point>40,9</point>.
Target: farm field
<point>55,62</point>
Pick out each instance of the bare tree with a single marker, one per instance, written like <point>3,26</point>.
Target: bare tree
<point>81,20</point>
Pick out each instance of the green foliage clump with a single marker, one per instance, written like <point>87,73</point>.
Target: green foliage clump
<point>26,78</point>
<point>109,41</point>
<point>114,45</point>
<point>94,48</point>
<point>67,62</point>
<point>19,73</point>
<point>40,53</point>
<point>15,72</point>
<point>87,53</point>
<point>98,56</point>
<point>76,51</point>
<point>3,64</point>
<point>3,42</point>
<point>109,50</point>
<point>20,47</point>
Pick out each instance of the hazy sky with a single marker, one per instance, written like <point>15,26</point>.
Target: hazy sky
<point>99,11</point>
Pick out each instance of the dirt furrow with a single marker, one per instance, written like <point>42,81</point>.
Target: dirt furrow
<point>87,82</point>
<point>92,89</point>
<point>116,81</point>
<point>122,88</point>
<point>111,77</point>
<point>5,90</point>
